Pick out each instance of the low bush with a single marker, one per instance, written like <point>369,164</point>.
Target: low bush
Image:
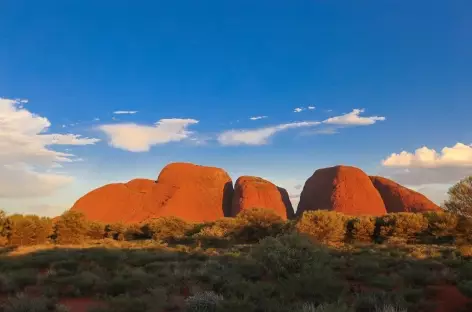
<point>441,225</point>
<point>288,254</point>
<point>402,225</point>
<point>323,226</point>
<point>95,230</point>
<point>115,231</point>
<point>257,223</point>
<point>71,228</point>
<point>361,229</point>
<point>464,229</point>
<point>166,229</point>
<point>203,302</point>
<point>28,229</point>
<point>220,231</point>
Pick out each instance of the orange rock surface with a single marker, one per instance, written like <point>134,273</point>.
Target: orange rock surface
<point>343,189</point>
<point>254,192</point>
<point>190,192</point>
<point>398,198</point>
<point>194,193</point>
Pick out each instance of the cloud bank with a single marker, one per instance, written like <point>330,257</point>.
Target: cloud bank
<point>261,136</point>
<point>25,154</point>
<point>140,138</point>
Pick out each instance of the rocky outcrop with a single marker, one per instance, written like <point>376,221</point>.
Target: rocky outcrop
<point>398,198</point>
<point>117,202</point>
<point>254,192</point>
<point>194,193</point>
<point>343,189</point>
<point>187,191</point>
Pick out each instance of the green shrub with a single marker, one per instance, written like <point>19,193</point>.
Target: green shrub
<point>71,228</point>
<point>323,226</point>
<point>288,254</point>
<point>166,229</point>
<point>95,230</point>
<point>115,231</point>
<point>22,303</point>
<point>257,223</point>
<point>332,307</point>
<point>441,224</point>
<point>28,229</point>
<point>203,302</point>
<point>362,229</point>
<point>403,225</point>
<point>222,230</point>
<point>133,231</point>
<point>464,229</point>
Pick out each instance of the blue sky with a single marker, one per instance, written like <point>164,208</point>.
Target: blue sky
<point>394,76</point>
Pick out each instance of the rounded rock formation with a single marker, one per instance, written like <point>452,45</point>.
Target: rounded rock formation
<point>343,189</point>
<point>254,192</point>
<point>194,193</point>
<point>398,198</point>
<point>187,191</point>
<point>117,202</point>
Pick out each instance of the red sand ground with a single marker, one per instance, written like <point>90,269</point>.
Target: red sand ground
<point>450,299</point>
<point>254,192</point>
<point>80,304</point>
<point>343,189</point>
<point>398,198</point>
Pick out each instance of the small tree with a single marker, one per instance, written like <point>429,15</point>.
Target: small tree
<point>460,198</point>
<point>71,228</point>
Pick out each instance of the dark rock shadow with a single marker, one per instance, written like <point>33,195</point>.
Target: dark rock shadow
<point>227,199</point>
<point>288,204</point>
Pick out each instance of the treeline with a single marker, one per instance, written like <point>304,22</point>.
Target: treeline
<point>248,227</point>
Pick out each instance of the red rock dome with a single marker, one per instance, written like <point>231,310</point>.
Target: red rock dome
<point>190,192</point>
<point>343,189</point>
<point>254,192</point>
<point>398,198</point>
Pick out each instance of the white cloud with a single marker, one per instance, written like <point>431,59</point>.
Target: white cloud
<point>25,155</point>
<point>353,119</point>
<point>259,136</point>
<point>140,138</point>
<point>96,119</point>
<point>459,155</point>
<point>123,112</point>
<point>311,107</point>
<point>258,117</point>
<point>298,109</point>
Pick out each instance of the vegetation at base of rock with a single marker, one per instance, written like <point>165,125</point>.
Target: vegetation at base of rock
<point>460,198</point>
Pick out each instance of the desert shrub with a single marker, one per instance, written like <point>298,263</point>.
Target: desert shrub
<point>403,225</point>
<point>326,307</point>
<point>361,229</point>
<point>3,228</point>
<point>220,231</point>
<point>257,223</point>
<point>441,224</point>
<point>203,302</point>
<point>22,303</point>
<point>464,229</point>
<point>28,229</point>
<point>166,229</point>
<point>460,198</point>
<point>133,231</point>
<point>115,231</point>
<point>71,228</point>
<point>95,230</point>
<point>288,254</point>
<point>323,226</point>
